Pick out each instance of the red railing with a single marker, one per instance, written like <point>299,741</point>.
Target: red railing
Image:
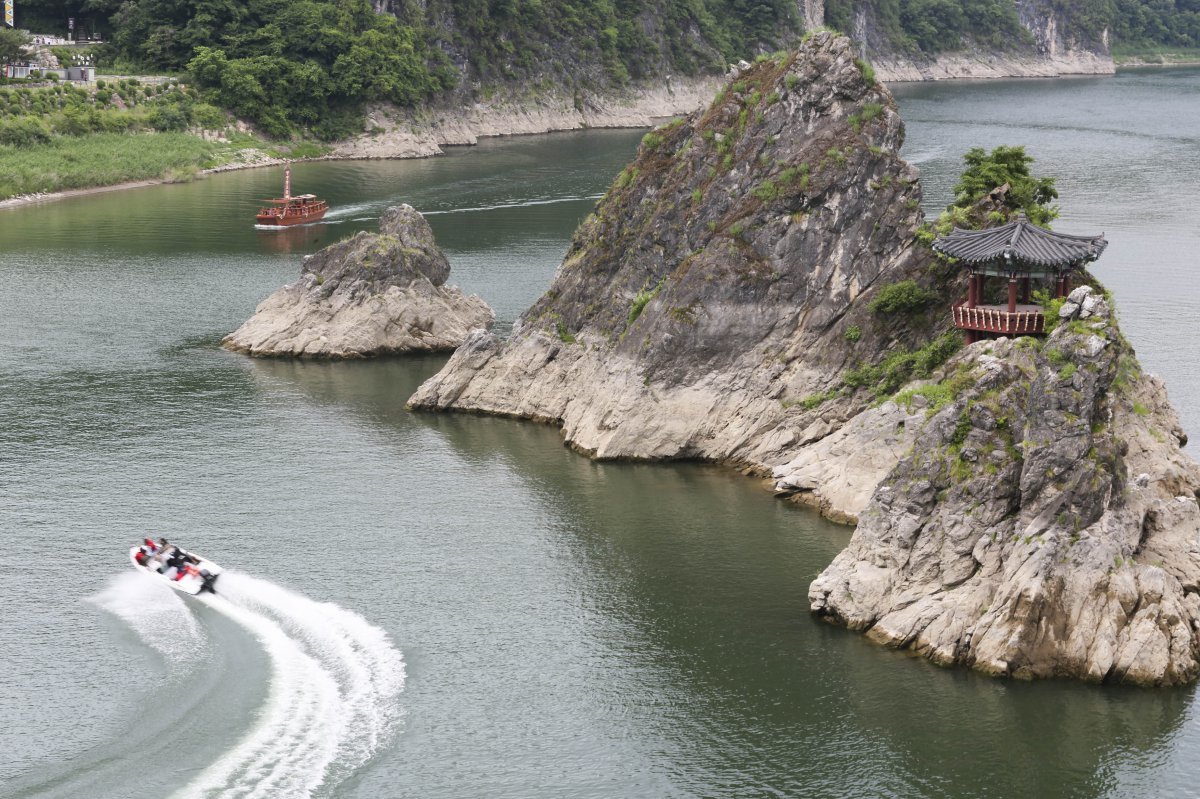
<point>998,320</point>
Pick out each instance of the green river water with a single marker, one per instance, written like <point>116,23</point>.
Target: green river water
<point>459,606</point>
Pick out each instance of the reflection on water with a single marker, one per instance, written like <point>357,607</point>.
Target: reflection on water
<point>571,628</point>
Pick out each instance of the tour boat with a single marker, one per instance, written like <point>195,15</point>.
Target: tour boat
<point>177,567</point>
<point>289,210</point>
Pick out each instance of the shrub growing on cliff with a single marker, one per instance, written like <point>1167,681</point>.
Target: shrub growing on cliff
<point>903,297</point>
<point>886,377</point>
<point>986,172</point>
<point>640,301</point>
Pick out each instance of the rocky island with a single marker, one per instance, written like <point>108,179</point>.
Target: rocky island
<point>372,294</point>
<point>752,291</point>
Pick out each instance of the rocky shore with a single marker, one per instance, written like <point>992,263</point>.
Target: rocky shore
<point>1023,507</point>
<point>372,294</point>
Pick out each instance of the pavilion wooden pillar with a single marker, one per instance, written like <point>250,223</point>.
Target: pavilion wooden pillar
<point>1012,295</point>
<point>972,291</point>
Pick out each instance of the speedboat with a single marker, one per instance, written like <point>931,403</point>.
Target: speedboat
<point>177,567</point>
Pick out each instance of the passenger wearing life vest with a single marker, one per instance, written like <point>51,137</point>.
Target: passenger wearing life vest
<point>185,570</point>
<point>146,551</point>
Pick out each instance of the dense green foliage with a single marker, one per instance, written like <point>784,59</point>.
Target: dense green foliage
<point>506,39</point>
<point>937,25</point>
<point>313,64</point>
<point>34,115</point>
<point>285,64</point>
<point>987,171</point>
<point>933,26</point>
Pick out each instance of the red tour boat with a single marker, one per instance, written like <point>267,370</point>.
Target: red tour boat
<point>289,210</point>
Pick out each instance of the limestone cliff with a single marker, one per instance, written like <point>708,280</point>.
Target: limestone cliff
<point>371,294</point>
<point>750,291</point>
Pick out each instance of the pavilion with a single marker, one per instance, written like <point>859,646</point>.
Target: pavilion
<point>1021,253</point>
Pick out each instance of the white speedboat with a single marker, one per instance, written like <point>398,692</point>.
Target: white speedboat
<point>178,568</point>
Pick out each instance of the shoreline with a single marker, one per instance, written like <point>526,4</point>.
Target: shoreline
<point>423,133</point>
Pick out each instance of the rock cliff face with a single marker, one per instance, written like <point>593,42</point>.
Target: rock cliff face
<point>710,294</point>
<point>1055,47</point>
<point>749,292</point>
<point>1044,524</point>
<point>372,294</point>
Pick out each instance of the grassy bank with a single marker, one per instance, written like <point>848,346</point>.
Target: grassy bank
<point>57,138</point>
<point>102,159</point>
<point>1125,56</point>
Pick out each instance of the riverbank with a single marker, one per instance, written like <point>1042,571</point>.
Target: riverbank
<point>1157,57</point>
<point>78,166</point>
<point>406,133</point>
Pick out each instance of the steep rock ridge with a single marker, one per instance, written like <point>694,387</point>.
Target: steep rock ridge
<point>371,294</point>
<point>705,306</point>
<point>1044,524</point>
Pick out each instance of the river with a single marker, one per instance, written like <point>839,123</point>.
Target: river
<point>459,606</point>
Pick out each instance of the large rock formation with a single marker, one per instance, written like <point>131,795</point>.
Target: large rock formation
<point>711,292</point>
<point>371,294</point>
<point>750,291</point>
<point>1044,523</point>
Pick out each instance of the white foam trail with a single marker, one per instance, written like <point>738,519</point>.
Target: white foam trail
<point>157,614</point>
<point>521,204</point>
<point>332,701</point>
<point>347,210</point>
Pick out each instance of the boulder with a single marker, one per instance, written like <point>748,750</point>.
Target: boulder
<point>372,294</point>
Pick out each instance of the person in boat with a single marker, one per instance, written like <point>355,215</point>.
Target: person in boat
<point>146,551</point>
<point>174,561</point>
<point>185,569</point>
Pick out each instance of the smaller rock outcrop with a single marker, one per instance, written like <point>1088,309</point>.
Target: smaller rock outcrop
<point>372,294</point>
<point>1044,522</point>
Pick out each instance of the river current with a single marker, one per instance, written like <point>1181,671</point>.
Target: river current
<point>457,606</point>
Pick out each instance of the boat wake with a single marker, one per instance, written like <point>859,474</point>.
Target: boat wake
<point>157,615</point>
<point>332,696</point>
<point>518,204</point>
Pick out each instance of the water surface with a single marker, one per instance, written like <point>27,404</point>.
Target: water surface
<point>550,626</point>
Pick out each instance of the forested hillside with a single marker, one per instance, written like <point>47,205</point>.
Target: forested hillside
<point>314,64</point>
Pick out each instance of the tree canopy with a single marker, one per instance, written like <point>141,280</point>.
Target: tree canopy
<point>1006,165</point>
<point>12,45</point>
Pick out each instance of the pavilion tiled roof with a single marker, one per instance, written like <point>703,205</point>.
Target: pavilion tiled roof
<point>1020,242</point>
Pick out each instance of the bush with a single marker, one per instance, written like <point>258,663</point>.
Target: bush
<point>209,117</point>
<point>905,296</point>
<point>24,132</point>
<point>168,119</point>
<point>641,301</point>
<point>886,377</point>
<point>868,71</point>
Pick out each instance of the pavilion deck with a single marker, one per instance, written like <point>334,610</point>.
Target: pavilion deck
<point>1024,321</point>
